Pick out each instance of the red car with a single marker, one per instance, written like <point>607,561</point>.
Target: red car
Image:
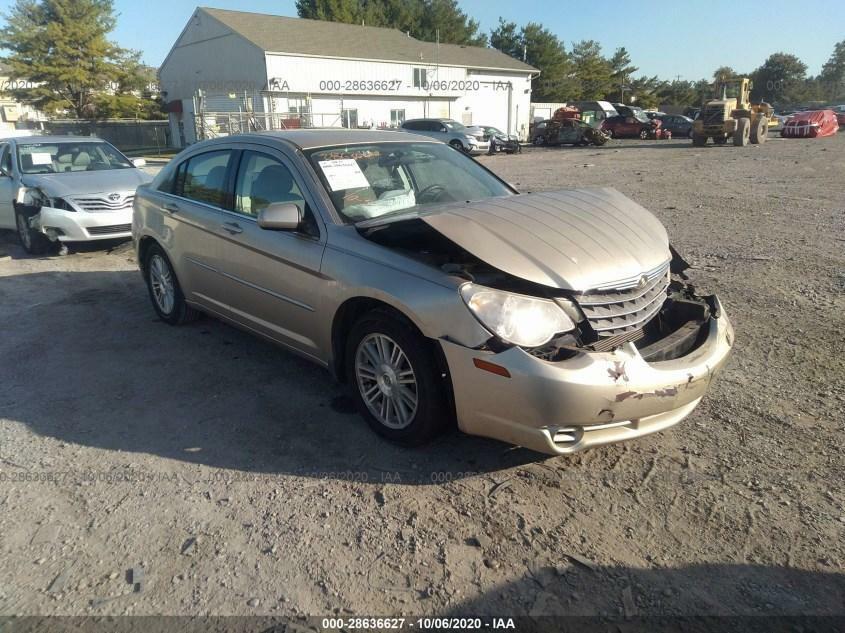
<point>633,127</point>
<point>811,124</point>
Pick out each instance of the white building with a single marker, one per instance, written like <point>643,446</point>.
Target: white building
<point>230,71</point>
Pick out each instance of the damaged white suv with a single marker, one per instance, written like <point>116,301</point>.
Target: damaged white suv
<point>557,321</point>
<point>66,189</point>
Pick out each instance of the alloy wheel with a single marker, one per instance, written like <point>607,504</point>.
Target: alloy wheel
<point>161,282</point>
<point>386,381</point>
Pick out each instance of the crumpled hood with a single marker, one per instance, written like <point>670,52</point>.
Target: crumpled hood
<point>577,239</point>
<point>76,183</point>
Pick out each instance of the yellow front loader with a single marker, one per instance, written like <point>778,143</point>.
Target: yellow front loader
<point>730,114</point>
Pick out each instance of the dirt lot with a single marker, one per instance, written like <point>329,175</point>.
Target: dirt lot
<point>235,476</point>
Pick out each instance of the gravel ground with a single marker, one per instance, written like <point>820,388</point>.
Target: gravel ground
<point>235,477</point>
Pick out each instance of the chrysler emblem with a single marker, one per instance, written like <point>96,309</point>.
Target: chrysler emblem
<point>642,282</point>
<point>114,197</point>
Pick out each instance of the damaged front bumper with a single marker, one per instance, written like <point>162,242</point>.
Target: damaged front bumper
<point>589,399</point>
<point>80,226</point>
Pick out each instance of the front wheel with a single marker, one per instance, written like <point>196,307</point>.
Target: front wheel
<point>699,140</point>
<point>165,291</point>
<point>395,380</point>
<point>742,134</point>
<point>457,145</point>
<point>644,134</point>
<point>33,242</point>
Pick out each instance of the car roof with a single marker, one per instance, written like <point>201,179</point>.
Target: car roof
<point>325,137</point>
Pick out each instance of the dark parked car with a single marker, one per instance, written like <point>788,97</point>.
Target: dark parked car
<point>567,132</point>
<point>632,127</point>
<point>677,124</point>
<point>500,141</point>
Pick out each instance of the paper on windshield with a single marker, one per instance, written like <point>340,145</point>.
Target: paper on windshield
<point>343,173</point>
<point>42,158</point>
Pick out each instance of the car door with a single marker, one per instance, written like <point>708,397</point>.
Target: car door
<point>7,188</point>
<point>569,133</point>
<point>189,218</point>
<point>272,278</point>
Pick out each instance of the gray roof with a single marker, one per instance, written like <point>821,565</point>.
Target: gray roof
<point>279,34</point>
<point>326,137</point>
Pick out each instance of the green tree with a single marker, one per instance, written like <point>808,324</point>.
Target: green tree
<point>423,19</point>
<point>832,78</point>
<point>542,49</point>
<point>644,91</point>
<point>621,71</point>
<point>61,49</point>
<point>677,93</point>
<point>781,79</point>
<point>723,73</point>
<point>592,71</point>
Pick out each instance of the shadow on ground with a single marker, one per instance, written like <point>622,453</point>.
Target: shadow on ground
<point>94,366</point>
<point>718,597</point>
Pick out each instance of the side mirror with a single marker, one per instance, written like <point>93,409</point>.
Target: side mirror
<point>280,216</point>
<point>139,162</point>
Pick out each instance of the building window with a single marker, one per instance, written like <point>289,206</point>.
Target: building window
<point>349,118</point>
<point>419,78</point>
<point>397,117</point>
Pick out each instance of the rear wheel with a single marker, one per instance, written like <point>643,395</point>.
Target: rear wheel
<point>644,134</point>
<point>33,242</point>
<point>457,145</point>
<point>699,140</point>
<point>165,291</point>
<point>395,380</point>
<point>759,131</point>
<point>742,134</point>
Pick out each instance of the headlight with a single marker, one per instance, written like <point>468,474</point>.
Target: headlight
<point>518,319</point>
<point>59,203</point>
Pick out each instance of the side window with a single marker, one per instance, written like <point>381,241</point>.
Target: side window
<point>263,180</point>
<point>411,125</point>
<point>6,159</point>
<point>203,178</point>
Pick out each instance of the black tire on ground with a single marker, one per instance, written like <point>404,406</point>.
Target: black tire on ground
<point>432,413</point>
<point>457,145</point>
<point>539,140</point>
<point>759,131</point>
<point>742,134</point>
<point>33,242</point>
<point>180,312</point>
<point>699,140</point>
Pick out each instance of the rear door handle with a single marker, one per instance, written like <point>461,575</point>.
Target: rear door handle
<point>232,228</point>
<point>169,206</point>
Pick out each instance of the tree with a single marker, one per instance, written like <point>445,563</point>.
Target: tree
<point>832,78</point>
<point>781,79</point>
<point>723,73</point>
<point>61,50</point>
<point>591,70</point>
<point>644,91</point>
<point>542,49</point>
<point>423,19</point>
<point>677,93</point>
<point>621,71</point>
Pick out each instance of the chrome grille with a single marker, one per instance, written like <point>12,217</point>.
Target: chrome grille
<point>101,204</point>
<point>626,305</point>
<point>109,230</point>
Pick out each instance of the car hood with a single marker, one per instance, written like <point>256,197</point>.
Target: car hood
<point>83,182</point>
<point>577,239</point>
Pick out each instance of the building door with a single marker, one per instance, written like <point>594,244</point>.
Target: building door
<point>397,117</point>
<point>349,118</point>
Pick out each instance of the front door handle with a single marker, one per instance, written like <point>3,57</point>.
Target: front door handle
<point>233,228</point>
<point>169,206</point>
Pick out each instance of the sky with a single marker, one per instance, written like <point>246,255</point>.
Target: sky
<point>671,40</point>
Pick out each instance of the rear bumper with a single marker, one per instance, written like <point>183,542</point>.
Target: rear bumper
<point>81,226</point>
<point>588,400</point>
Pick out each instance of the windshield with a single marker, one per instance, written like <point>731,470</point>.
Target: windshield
<point>454,126</point>
<point>369,181</point>
<point>61,157</point>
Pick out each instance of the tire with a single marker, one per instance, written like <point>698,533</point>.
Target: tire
<point>644,135</point>
<point>159,273</point>
<point>457,145</point>
<point>33,242</point>
<point>539,140</point>
<point>699,140</point>
<point>373,377</point>
<point>759,131</point>
<point>742,134</point>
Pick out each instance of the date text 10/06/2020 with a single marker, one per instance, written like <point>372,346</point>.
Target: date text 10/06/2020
<point>395,85</point>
